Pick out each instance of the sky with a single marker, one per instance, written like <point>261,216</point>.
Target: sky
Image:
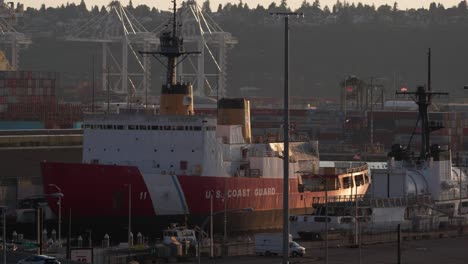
<point>164,4</point>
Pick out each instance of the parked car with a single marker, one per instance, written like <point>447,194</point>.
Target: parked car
<point>9,246</point>
<point>39,259</point>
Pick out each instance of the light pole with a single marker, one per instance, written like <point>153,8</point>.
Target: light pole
<point>3,208</point>
<point>59,195</point>
<point>286,16</point>
<point>211,225</point>
<point>129,213</point>
<point>225,220</point>
<point>326,219</point>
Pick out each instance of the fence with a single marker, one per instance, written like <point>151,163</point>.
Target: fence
<point>369,234</point>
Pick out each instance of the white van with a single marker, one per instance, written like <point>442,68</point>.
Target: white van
<point>272,244</point>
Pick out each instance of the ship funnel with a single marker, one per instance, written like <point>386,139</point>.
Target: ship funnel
<point>235,111</point>
<point>176,99</point>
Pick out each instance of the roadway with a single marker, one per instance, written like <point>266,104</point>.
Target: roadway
<point>435,251</point>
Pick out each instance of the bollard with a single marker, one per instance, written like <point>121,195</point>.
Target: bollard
<point>105,242</point>
<point>80,241</point>
<point>139,239</point>
<point>54,235</point>
<point>130,242</point>
<point>15,236</point>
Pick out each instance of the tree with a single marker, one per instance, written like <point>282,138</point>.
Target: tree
<point>95,10</point>
<point>304,5</point>
<point>220,8</point>
<point>337,7</point>
<point>103,10</point>
<point>316,5</point>
<point>82,7</point>
<point>82,4</point>
<point>462,7</point>
<point>130,6</point>
<point>284,3</point>
<point>395,7</point>
<point>206,7</point>
<point>272,7</point>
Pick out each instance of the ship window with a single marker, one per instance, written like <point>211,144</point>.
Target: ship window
<point>359,180</point>
<point>183,165</point>
<point>167,127</point>
<point>346,220</point>
<point>346,183</point>
<point>154,127</point>
<point>131,127</point>
<point>366,178</point>
<point>109,126</point>
<point>142,127</point>
<point>100,126</point>
<point>197,128</point>
<point>180,128</point>
<point>120,127</point>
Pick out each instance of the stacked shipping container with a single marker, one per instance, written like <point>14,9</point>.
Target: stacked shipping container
<point>31,96</point>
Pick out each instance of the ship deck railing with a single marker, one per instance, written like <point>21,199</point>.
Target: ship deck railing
<point>363,201</point>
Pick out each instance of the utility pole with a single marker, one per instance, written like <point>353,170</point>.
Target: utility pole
<point>286,16</point>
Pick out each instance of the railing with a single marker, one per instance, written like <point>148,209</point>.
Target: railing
<point>373,202</point>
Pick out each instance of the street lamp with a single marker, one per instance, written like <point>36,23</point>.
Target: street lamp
<point>59,195</point>
<point>129,213</point>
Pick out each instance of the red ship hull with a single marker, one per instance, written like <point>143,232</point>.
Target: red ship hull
<point>97,192</point>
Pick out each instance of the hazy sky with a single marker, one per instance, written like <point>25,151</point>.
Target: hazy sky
<point>164,4</point>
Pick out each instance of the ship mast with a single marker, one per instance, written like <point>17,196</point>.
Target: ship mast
<point>176,98</point>
<point>423,99</point>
